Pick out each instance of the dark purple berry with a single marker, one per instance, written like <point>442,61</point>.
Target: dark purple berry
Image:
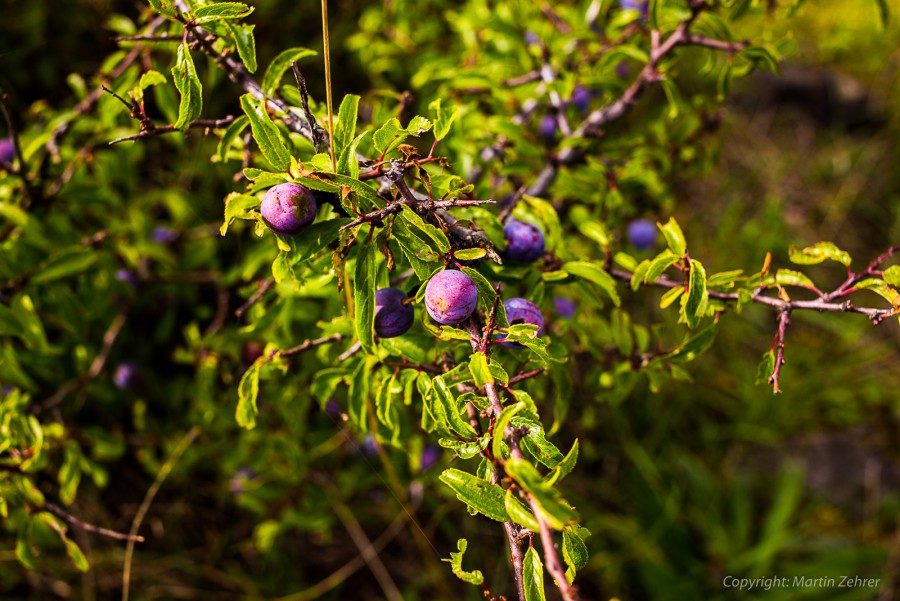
<point>7,151</point>
<point>126,375</point>
<point>524,241</point>
<point>253,350</point>
<point>547,128</point>
<point>333,409</point>
<point>127,276</point>
<point>164,235</point>
<point>565,306</point>
<point>369,446</point>
<point>431,455</point>
<point>642,234</point>
<point>581,98</point>
<point>393,317</point>
<point>522,310</point>
<point>288,208</point>
<point>622,70</point>
<point>450,297</point>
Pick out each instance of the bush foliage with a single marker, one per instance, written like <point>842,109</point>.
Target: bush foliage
<point>192,403</point>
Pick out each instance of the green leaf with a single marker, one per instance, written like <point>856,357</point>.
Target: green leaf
<point>234,130</point>
<point>432,235</point>
<point>360,385</point>
<point>789,277</point>
<point>891,275</point>
<point>818,252</point>
<point>248,390</point>
<point>551,505</point>
<point>884,12</point>
<point>164,7</point>
<point>469,254</point>
<point>765,368</point>
<point>697,296</point>
<point>220,11</point>
<point>266,133</point>
<point>466,449</point>
<point>519,513</point>
<point>659,264</point>
<point>76,555</point>
<point>280,64</point>
<point>500,427</point>
<point>594,273</point>
<point>345,128</point>
<point>533,576</point>
<point>69,474</point>
<point>483,497</point>
<point>564,467</point>
<point>68,262</point>
<point>674,236</point>
<point>188,84</point>
<point>238,206</point>
<point>443,120</point>
<point>670,297</point>
<point>348,163</point>
<point>455,561</point>
<point>364,296</point>
<point>246,44</point>
<point>481,373</point>
<point>389,136</point>
<point>575,552</point>
<point>449,407</point>
<point>536,443</point>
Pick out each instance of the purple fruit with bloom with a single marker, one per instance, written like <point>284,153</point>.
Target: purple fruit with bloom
<point>288,208</point>
<point>642,234</point>
<point>7,150</point>
<point>127,276</point>
<point>565,306</point>
<point>393,316</point>
<point>241,477</point>
<point>522,310</point>
<point>547,128</point>
<point>125,375</point>
<point>524,241</point>
<point>333,409</point>
<point>450,297</point>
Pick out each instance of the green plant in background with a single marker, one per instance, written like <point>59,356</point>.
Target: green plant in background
<point>406,281</point>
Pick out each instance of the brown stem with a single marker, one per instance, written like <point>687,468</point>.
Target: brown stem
<point>82,525</point>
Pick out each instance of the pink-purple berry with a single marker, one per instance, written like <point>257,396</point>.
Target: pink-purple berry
<point>288,208</point>
<point>450,297</point>
<point>524,241</point>
<point>393,315</point>
<point>7,151</point>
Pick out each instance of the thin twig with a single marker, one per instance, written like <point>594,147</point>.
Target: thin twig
<point>159,130</point>
<point>395,207</point>
<point>784,320</point>
<point>161,476</point>
<point>82,525</point>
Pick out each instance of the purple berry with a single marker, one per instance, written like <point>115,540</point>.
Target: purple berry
<point>125,375</point>
<point>638,5</point>
<point>369,446</point>
<point>127,276</point>
<point>525,241</point>
<point>581,98</point>
<point>164,235</point>
<point>642,234</point>
<point>7,150</point>
<point>531,39</point>
<point>522,310</point>
<point>547,128</point>
<point>253,350</point>
<point>392,317</point>
<point>334,409</point>
<point>622,70</point>
<point>288,208</point>
<point>431,455</point>
<point>450,297</point>
<point>565,307</point>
